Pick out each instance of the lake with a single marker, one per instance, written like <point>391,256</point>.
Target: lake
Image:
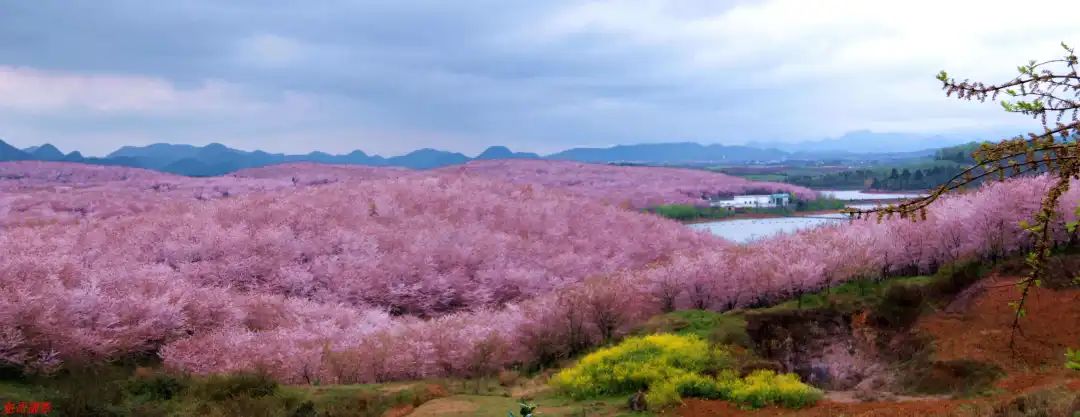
<point>855,195</point>
<point>747,230</point>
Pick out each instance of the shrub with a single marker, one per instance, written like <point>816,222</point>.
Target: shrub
<point>678,211</point>
<point>265,406</point>
<point>231,387</point>
<point>672,366</point>
<point>697,386</point>
<point>820,204</point>
<point>156,386</point>
<point>731,330</point>
<point>763,388</point>
<point>900,305</point>
<point>93,390</point>
<point>351,403</point>
<point>305,409</point>
<point>636,363</point>
<point>718,328</point>
<point>1072,359</point>
<point>663,394</point>
<point>954,277</point>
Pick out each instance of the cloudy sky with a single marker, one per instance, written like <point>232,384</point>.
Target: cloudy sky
<point>391,76</point>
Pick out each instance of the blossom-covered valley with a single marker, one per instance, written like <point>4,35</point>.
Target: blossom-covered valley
<point>539,209</point>
<point>344,274</point>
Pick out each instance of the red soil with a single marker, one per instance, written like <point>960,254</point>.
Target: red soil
<point>401,411</point>
<point>824,409</point>
<point>981,333</point>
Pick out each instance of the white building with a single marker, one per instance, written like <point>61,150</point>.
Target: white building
<point>754,201</point>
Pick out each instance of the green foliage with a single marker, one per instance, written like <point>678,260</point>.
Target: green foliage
<point>849,296</point>
<point>673,366</point>
<point>697,386</point>
<point>156,386</point>
<point>724,329</point>
<point>527,408</point>
<point>1072,359</point>
<point>695,322</point>
<point>820,204</point>
<point>685,212</point>
<point>86,391</point>
<point>354,401</point>
<point>662,394</point>
<point>228,387</point>
<point>764,388</point>
<point>759,389</point>
<point>959,153</point>
<point>900,305</point>
<point>113,391</point>
<point>954,277</point>
<point>637,363</point>
<point>916,176</point>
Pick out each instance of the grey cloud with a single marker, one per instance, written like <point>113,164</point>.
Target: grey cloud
<point>385,75</point>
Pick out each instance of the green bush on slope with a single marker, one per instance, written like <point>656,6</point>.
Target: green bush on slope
<point>673,366</point>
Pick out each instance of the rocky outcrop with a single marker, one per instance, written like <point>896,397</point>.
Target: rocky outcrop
<point>827,348</point>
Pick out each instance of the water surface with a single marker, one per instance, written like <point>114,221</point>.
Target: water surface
<point>747,230</point>
<point>850,195</point>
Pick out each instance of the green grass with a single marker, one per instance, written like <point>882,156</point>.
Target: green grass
<point>686,212</point>
<point>765,177</point>
<point>820,204</point>
<point>730,327</point>
<point>695,322</point>
<point>852,294</point>
<point>120,391</point>
<point>129,392</point>
<point>708,325</point>
<point>15,391</point>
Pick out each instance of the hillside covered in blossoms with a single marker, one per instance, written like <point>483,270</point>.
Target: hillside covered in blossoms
<point>369,274</point>
<point>632,186</point>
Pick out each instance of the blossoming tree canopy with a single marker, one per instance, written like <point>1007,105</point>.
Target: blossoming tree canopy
<point>418,275</point>
<point>639,187</point>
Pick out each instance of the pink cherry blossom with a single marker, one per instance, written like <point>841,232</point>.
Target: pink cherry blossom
<point>360,276</point>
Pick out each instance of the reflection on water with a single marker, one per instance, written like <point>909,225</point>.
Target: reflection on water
<point>746,230</point>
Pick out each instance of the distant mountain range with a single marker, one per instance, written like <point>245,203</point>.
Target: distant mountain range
<point>685,152</point>
<point>218,159</point>
<point>865,141</point>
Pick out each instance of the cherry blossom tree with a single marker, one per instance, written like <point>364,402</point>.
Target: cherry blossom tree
<point>309,284</point>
